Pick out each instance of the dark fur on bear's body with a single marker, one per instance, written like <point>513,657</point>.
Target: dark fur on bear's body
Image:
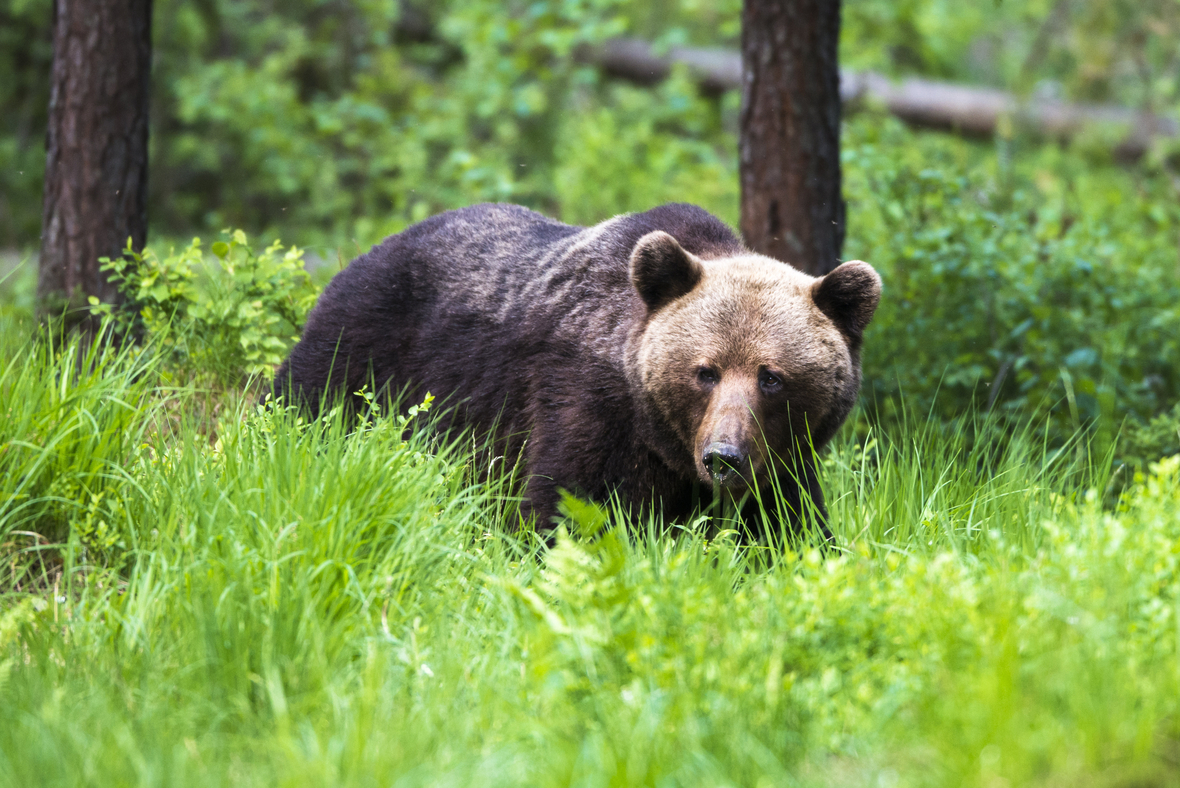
<point>538,328</point>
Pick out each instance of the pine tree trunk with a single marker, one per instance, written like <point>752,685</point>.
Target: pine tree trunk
<point>792,205</point>
<point>96,148</point>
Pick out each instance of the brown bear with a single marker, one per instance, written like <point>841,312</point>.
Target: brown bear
<point>651,356</point>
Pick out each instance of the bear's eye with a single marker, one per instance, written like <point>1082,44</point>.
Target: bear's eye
<point>707,376</point>
<point>769,382</point>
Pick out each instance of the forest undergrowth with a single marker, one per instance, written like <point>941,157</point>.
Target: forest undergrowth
<point>199,591</point>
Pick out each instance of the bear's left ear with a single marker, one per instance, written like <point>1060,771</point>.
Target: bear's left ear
<point>849,296</point>
<point>661,270</point>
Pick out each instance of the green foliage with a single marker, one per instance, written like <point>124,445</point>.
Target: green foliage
<point>1120,51</point>
<point>1146,442</point>
<point>18,288</point>
<point>26,53</point>
<point>70,418</point>
<point>236,315</point>
<point>337,133</point>
<point>336,127</point>
<point>634,149</point>
<point>286,602</point>
<point>1013,285</point>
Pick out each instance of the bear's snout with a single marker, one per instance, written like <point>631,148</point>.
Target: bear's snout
<point>724,462</point>
<point>727,450</point>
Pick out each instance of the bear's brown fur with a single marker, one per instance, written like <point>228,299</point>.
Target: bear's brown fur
<point>650,356</point>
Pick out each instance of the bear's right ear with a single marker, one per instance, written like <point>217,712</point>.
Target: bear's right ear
<point>661,271</point>
<point>849,296</point>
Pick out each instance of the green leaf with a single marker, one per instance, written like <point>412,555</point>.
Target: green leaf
<point>160,292</point>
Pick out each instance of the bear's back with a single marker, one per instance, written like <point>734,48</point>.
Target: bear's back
<point>473,304</point>
<point>509,262</point>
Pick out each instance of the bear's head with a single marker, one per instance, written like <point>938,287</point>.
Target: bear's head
<point>744,361</point>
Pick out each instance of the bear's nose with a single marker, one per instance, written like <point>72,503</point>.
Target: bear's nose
<point>723,461</point>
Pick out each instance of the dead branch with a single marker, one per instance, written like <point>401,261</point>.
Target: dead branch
<point>974,111</point>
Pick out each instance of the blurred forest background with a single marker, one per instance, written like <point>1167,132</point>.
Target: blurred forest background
<point>1019,272</point>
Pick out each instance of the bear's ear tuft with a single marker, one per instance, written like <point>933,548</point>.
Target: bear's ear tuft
<point>661,271</point>
<point>849,296</point>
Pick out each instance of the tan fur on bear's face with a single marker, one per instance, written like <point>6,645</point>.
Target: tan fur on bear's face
<point>746,359</point>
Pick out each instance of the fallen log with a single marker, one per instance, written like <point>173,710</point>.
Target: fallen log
<point>974,111</point>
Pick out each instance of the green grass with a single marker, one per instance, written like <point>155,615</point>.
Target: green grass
<point>200,593</point>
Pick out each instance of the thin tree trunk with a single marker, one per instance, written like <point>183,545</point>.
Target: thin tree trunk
<point>792,205</point>
<point>96,148</point>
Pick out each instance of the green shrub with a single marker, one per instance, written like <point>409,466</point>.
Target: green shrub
<point>235,315</point>
<point>1011,287</point>
<point>632,149</point>
<point>1144,443</point>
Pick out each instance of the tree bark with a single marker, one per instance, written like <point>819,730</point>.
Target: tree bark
<point>96,149</point>
<point>789,145</point>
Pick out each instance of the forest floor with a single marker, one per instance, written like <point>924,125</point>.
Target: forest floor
<point>198,592</point>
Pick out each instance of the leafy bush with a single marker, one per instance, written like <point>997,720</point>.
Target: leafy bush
<point>632,149</point>
<point>234,316</point>
<point>1010,287</point>
<point>1146,442</point>
<point>336,132</point>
